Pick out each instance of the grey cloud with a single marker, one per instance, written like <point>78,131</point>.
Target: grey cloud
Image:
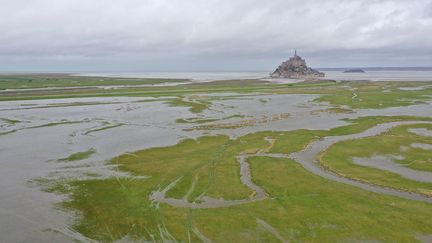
<point>428,10</point>
<point>203,34</point>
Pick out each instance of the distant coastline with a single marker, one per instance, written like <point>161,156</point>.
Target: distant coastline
<point>372,74</point>
<point>377,75</point>
<point>354,70</point>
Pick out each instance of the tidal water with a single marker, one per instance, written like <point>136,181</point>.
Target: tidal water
<point>373,75</point>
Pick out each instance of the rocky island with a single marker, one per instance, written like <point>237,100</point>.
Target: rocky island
<point>354,70</point>
<point>295,67</point>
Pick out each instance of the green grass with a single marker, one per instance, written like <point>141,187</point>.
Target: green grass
<point>195,106</point>
<point>79,155</point>
<point>59,80</point>
<point>308,208</point>
<point>302,207</point>
<point>9,121</point>
<point>338,158</point>
<point>210,159</point>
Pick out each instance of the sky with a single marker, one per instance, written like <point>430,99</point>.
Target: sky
<point>211,35</point>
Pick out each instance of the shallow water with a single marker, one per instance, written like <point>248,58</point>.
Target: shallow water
<point>383,75</point>
<point>387,164</point>
<point>195,76</point>
<point>30,153</point>
<point>307,158</point>
<point>421,132</point>
<point>424,146</point>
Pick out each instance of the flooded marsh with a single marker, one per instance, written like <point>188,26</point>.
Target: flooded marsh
<point>217,162</point>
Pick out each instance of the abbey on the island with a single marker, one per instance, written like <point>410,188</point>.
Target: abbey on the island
<point>296,67</point>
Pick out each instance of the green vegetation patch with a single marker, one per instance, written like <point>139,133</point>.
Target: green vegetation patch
<point>243,123</point>
<point>59,80</point>
<point>79,155</point>
<point>301,207</point>
<point>196,105</point>
<point>209,161</point>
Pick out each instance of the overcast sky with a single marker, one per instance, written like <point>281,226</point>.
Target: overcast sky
<point>211,35</point>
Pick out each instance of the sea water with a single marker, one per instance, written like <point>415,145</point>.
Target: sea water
<point>374,75</point>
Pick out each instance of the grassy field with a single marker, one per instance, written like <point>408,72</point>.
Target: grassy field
<point>195,103</point>
<point>63,80</point>
<point>79,155</point>
<point>303,207</point>
<point>397,142</point>
<point>300,207</point>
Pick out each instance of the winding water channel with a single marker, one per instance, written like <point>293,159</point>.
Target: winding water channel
<point>308,159</point>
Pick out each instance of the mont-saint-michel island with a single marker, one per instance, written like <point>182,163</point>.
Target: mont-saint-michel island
<point>215,121</point>
<point>296,68</point>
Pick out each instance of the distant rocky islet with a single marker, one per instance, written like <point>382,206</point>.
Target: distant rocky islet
<point>354,70</point>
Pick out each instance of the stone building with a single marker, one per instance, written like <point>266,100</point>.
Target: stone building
<point>296,67</point>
